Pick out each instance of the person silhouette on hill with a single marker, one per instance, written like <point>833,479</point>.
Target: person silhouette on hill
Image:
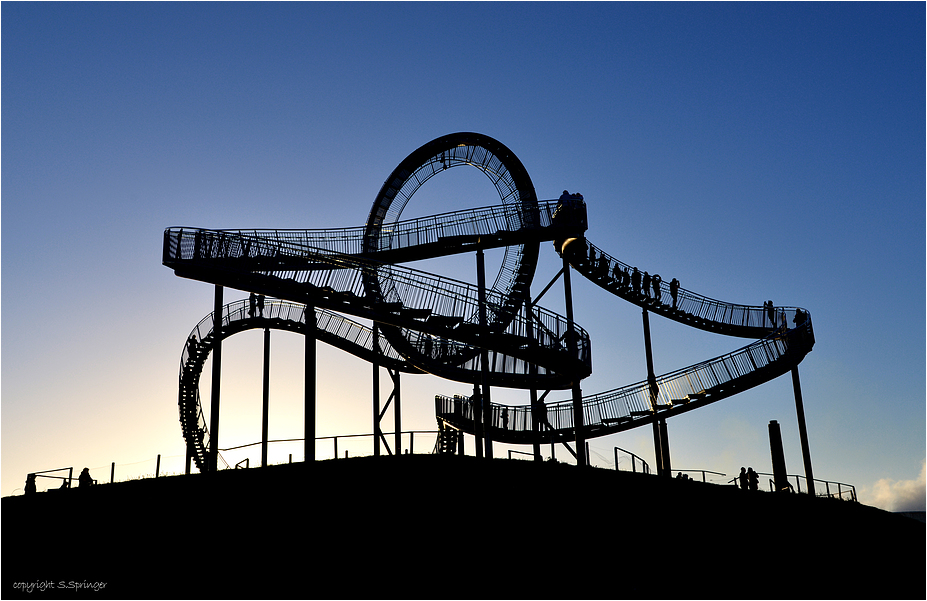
<point>743,478</point>
<point>84,480</point>
<point>30,484</point>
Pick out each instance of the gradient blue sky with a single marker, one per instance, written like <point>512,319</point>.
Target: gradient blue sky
<point>754,151</point>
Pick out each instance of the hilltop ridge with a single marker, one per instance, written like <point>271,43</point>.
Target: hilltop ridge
<point>428,526</point>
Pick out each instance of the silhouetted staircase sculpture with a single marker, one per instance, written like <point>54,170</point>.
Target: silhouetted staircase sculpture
<point>433,324</point>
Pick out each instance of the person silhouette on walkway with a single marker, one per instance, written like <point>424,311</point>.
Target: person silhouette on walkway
<point>84,480</point>
<point>743,478</point>
<point>636,280</point>
<point>753,478</point>
<point>505,418</point>
<point>646,283</point>
<point>618,276</point>
<point>603,265</point>
<point>252,302</point>
<point>260,304</point>
<point>656,281</point>
<point>674,290</point>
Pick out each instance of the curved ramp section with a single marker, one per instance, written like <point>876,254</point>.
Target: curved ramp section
<point>240,316</point>
<point>639,404</point>
<point>782,346</point>
<point>672,301</point>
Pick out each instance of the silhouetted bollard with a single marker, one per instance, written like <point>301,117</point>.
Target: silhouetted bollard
<point>780,475</point>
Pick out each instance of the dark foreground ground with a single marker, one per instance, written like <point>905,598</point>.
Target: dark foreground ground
<point>437,527</point>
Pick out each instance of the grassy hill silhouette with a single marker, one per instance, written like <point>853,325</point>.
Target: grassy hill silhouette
<point>428,526</point>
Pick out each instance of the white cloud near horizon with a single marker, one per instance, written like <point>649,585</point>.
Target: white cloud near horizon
<point>901,495</point>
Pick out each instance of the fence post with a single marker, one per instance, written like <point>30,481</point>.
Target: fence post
<point>158,466</point>
<point>112,473</point>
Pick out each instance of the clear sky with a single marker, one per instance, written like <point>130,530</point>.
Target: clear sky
<point>754,151</point>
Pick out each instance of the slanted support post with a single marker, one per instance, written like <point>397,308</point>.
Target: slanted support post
<point>660,438</point>
<point>216,380</point>
<point>780,474</point>
<point>802,430</point>
<point>664,448</point>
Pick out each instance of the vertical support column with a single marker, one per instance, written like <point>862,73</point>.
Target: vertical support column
<point>535,424</point>
<point>310,369</point>
<point>484,354</point>
<point>578,419</point>
<point>397,417</point>
<point>802,431</point>
<point>216,380</point>
<point>533,393</point>
<point>266,405</point>
<point>664,449</point>
<point>477,420</point>
<point>376,390</point>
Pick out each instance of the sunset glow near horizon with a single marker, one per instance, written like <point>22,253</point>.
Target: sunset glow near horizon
<point>754,151</point>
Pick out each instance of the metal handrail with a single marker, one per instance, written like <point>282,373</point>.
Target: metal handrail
<point>660,294</point>
<point>850,489</point>
<point>645,469</point>
<point>188,243</point>
<point>702,472</point>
